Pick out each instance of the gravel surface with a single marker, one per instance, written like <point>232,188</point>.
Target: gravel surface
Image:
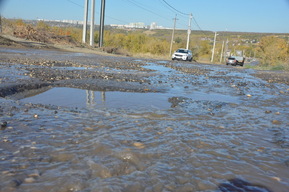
<point>128,124</point>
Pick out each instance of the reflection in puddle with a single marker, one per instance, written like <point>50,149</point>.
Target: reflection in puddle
<point>70,97</point>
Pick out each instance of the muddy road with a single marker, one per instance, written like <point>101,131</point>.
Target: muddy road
<point>89,123</point>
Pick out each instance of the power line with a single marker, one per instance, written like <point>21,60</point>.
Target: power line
<point>98,12</point>
<point>75,3</point>
<point>183,14</point>
<point>173,11</point>
<point>142,7</point>
<point>199,26</point>
<point>175,8</point>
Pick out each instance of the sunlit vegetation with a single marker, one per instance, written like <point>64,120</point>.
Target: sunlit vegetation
<point>271,50</point>
<point>274,52</point>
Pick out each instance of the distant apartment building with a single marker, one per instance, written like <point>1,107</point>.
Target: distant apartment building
<point>138,25</point>
<point>75,22</point>
<point>154,25</point>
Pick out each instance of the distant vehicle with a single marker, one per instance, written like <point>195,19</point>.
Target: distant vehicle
<point>183,54</point>
<point>235,60</point>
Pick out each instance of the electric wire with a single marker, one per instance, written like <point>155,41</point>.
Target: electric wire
<point>148,9</point>
<point>172,7</point>
<point>197,24</point>
<point>183,14</point>
<point>144,8</point>
<point>124,22</point>
<point>75,3</point>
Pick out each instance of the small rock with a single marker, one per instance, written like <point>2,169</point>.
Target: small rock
<point>3,124</point>
<point>29,180</point>
<point>88,129</point>
<point>249,95</point>
<point>16,182</point>
<point>268,111</point>
<point>139,145</point>
<point>35,116</point>
<point>169,129</point>
<point>276,178</point>
<point>35,173</point>
<point>276,122</point>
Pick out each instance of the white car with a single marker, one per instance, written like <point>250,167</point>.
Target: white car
<point>183,54</point>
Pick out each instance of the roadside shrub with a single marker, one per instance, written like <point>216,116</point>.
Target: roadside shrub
<point>273,51</point>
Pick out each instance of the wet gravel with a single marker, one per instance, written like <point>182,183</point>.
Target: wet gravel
<point>226,129</point>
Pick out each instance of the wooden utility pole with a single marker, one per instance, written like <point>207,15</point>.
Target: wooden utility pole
<point>189,30</point>
<point>221,57</point>
<point>213,51</point>
<point>173,34</point>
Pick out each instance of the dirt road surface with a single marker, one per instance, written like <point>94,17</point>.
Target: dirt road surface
<point>86,122</point>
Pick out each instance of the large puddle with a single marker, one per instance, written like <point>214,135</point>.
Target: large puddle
<point>79,98</point>
<point>71,97</point>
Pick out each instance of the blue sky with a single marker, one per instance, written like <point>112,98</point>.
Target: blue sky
<point>215,15</point>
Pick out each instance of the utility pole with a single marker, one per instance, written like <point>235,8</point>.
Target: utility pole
<point>226,49</point>
<point>0,23</point>
<point>189,30</point>
<point>213,51</point>
<point>101,28</point>
<point>173,34</point>
<point>92,23</point>
<point>222,52</point>
<point>85,21</point>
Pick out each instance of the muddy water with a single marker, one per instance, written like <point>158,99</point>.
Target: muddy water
<point>78,98</point>
<point>222,130</point>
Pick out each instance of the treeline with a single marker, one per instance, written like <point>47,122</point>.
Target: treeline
<point>135,43</point>
<point>271,50</point>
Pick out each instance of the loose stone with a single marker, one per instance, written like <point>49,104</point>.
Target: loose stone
<point>139,145</point>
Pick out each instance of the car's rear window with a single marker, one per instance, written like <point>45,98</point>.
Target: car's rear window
<point>231,58</point>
